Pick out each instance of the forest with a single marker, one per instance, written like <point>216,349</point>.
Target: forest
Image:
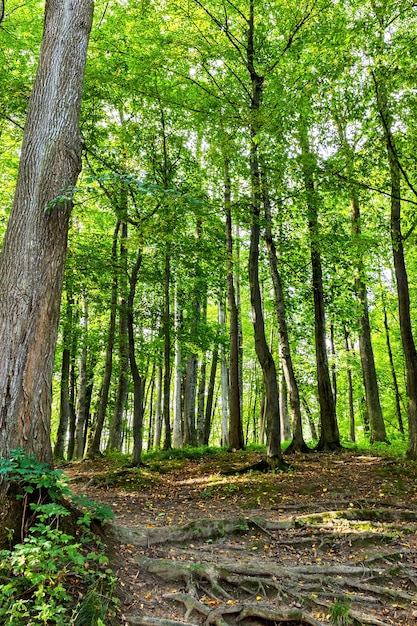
<point>207,212</point>
<point>242,232</point>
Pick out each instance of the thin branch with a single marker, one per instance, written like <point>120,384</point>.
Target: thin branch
<point>11,120</point>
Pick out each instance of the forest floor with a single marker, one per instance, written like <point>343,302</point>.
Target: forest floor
<point>332,541</point>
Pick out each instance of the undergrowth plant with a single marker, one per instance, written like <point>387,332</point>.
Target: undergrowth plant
<point>51,576</point>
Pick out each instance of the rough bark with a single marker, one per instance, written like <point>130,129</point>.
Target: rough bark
<point>33,255</point>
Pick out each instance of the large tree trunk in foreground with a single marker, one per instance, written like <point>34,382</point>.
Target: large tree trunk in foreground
<point>33,256</point>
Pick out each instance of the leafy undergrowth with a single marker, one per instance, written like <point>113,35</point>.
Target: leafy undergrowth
<point>200,541</point>
<point>57,571</point>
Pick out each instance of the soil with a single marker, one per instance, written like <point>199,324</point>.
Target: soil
<point>333,540</point>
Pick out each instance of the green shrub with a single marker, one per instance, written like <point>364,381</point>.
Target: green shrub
<point>51,576</point>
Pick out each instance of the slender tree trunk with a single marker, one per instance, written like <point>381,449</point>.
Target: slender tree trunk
<point>310,420</point>
<point>333,365</point>
<point>210,395</point>
<point>158,409</point>
<point>138,380</point>
<point>167,354</point>
<point>286,432</point>
<point>329,432</point>
<point>350,387</point>
<point>115,433</point>
<point>151,393</point>
<point>273,434</point>
<point>190,388</point>
<point>201,397</point>
<point>236,441</point>
<point>373,404</point>
<point>82,392</point>
<point>224,379</point>
<point>72,396</point>
<point>64,406</point>
<point>298,444</point>
<point>94,444</point>
<point>397,241</point>
<point>177,432</point>
<point>393,373</point>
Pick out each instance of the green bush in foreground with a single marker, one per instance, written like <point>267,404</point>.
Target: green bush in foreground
<point>50,576</point>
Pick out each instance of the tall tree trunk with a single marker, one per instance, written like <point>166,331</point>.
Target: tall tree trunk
<point>350,387</point>
<point>158,409</point>
<point>33,255</point>
<point>116,425</point>
<point>177,431</point>
<point>201,397</point>
<point>190,389</point>
<point>72,396</point>
<point>82,392</point>
<point>138,380</point>
<point>273,440</point>
<point>210,395</point>
<point>329,433</point>
<point>393,373</point>
<point>94,444</point>
<point>64,405</point>
<point>298,444</point>
<point>236,441</point>
<point>224,379</point>
<point>167,353</point>
<point>373,404</point>
<point>286,432</point>
<point>397,241</point>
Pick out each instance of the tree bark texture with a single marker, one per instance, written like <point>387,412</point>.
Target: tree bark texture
<point>33,255</point>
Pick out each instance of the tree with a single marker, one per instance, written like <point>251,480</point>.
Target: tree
<point>33,255</point>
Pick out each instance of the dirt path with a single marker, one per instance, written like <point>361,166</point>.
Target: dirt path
<point>332,541</point>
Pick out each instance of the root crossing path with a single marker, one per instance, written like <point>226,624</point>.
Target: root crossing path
<point>332,542</point>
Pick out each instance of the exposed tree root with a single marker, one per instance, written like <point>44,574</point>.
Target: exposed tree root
<point>221,587</point>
